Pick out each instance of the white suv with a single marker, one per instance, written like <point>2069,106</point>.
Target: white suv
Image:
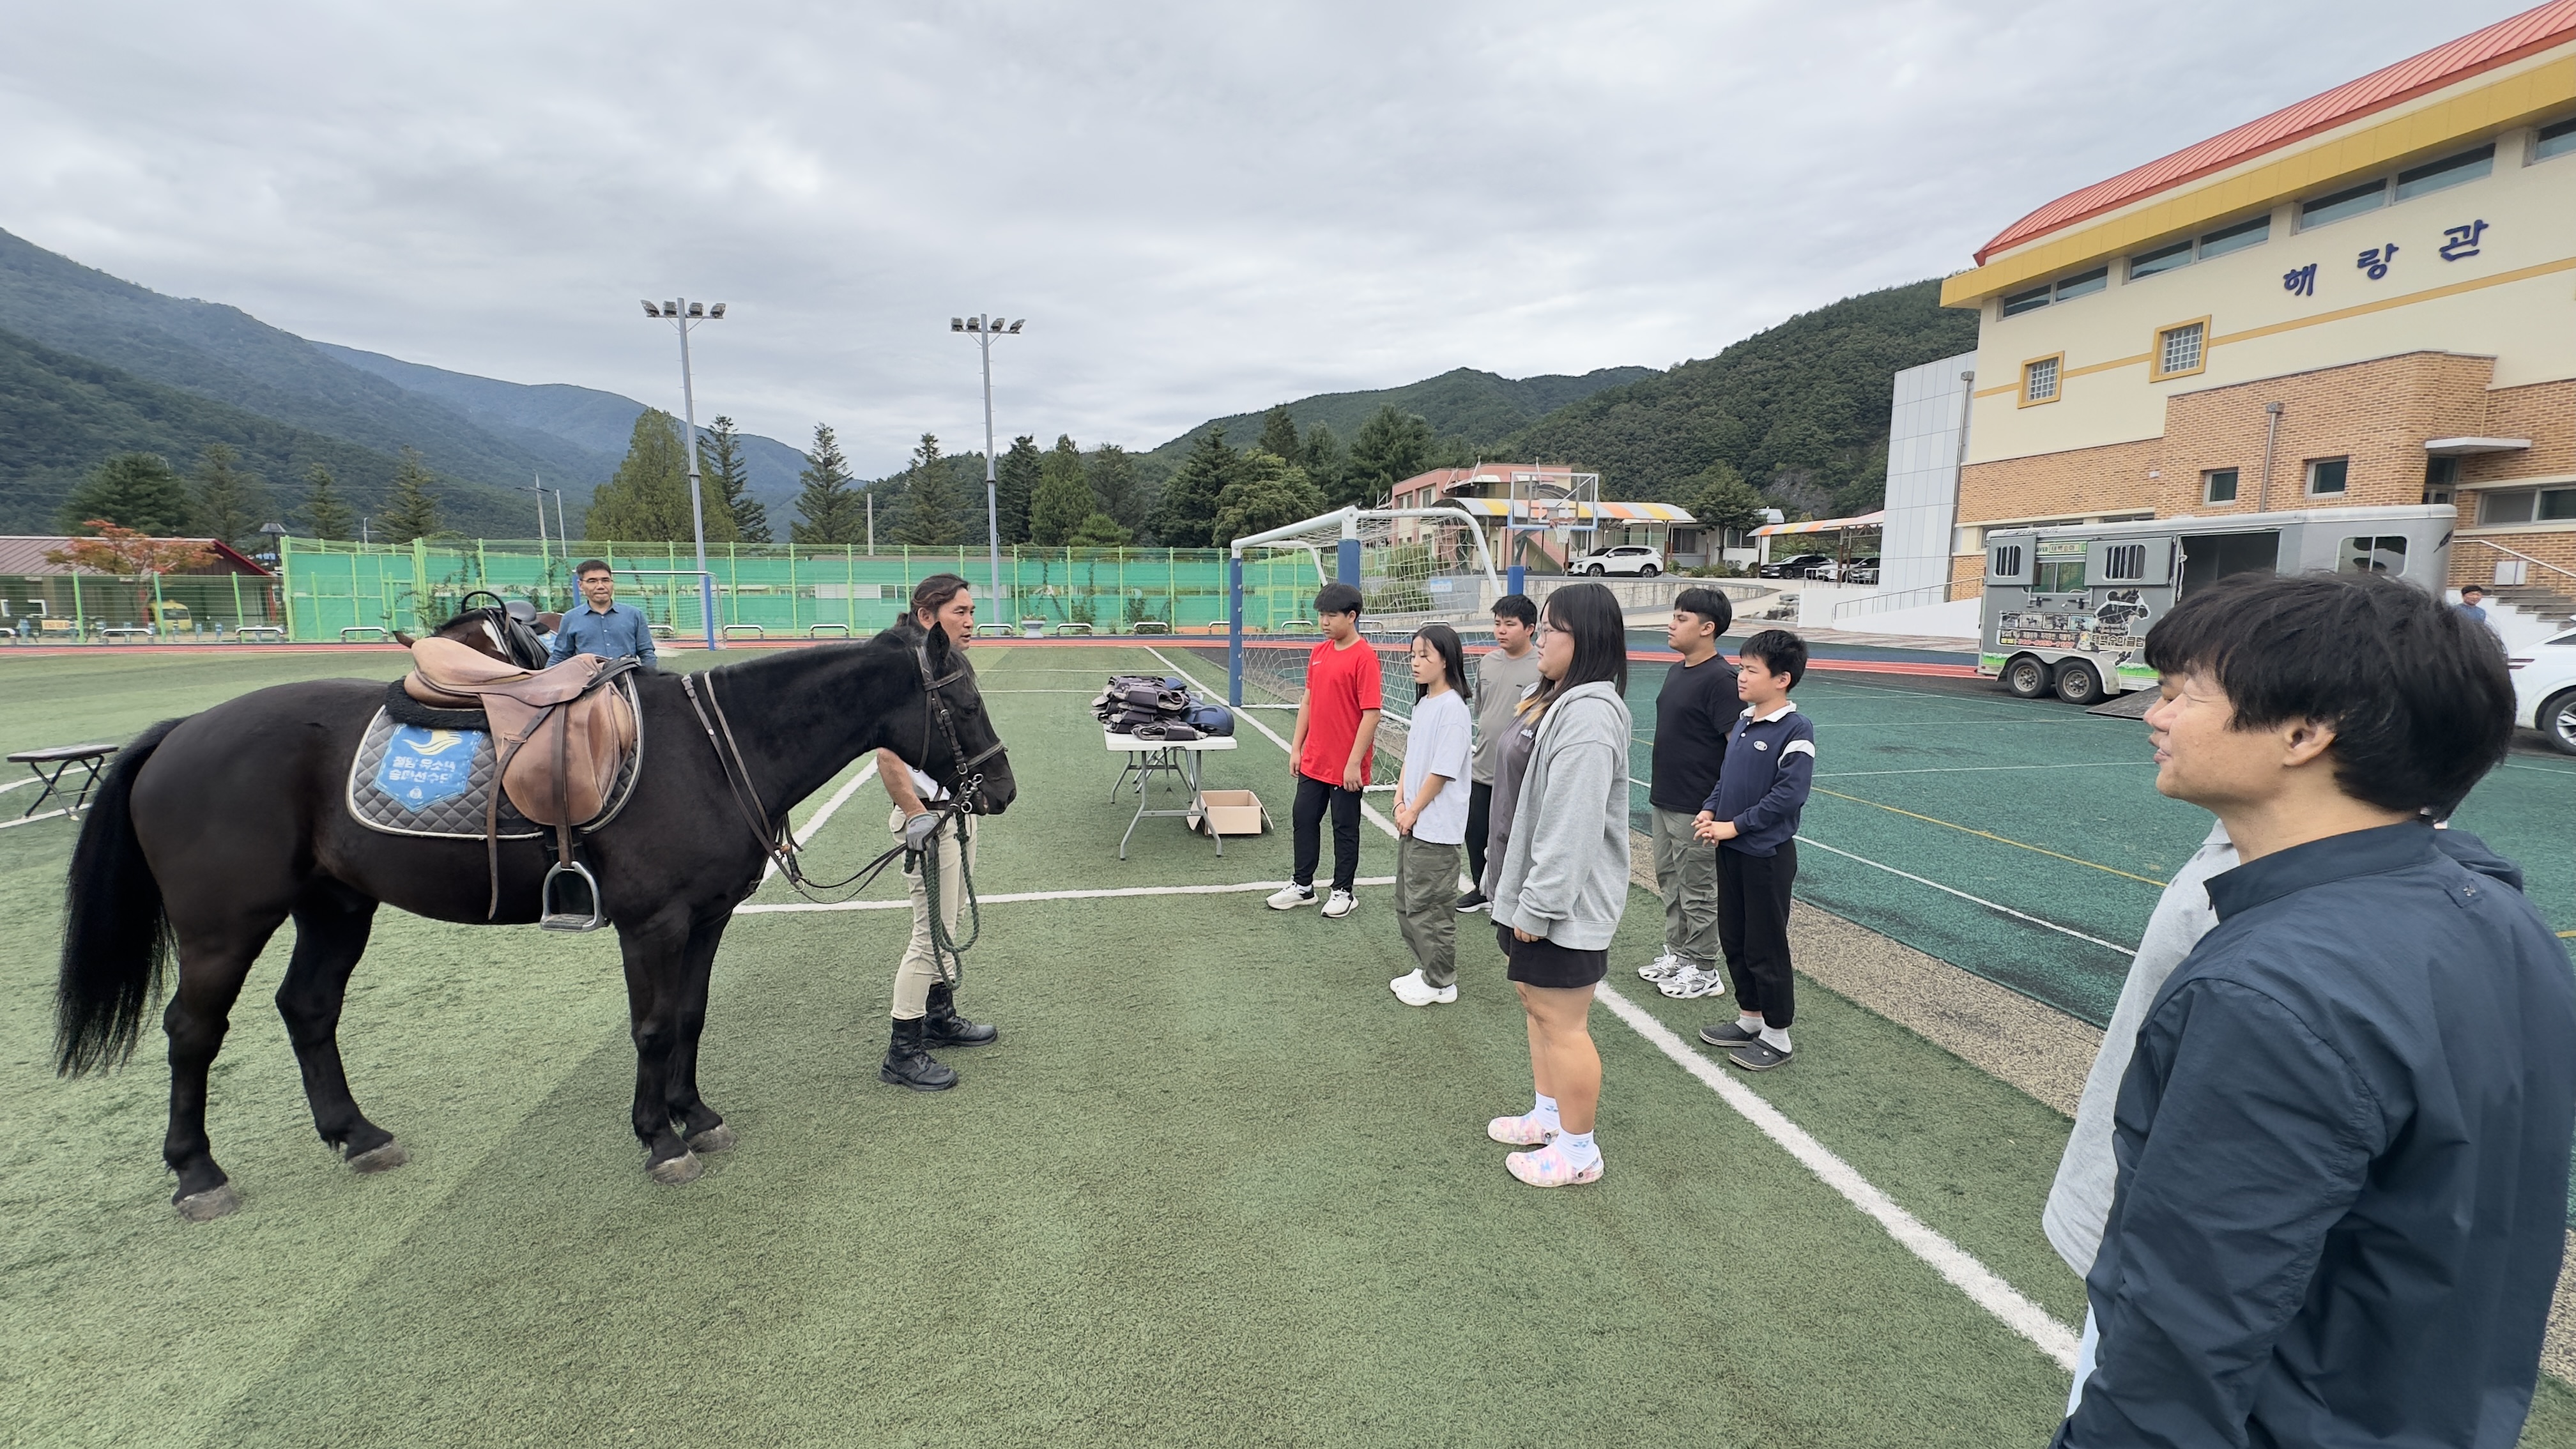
<point>1627,558</point>
<point>2544,689</point>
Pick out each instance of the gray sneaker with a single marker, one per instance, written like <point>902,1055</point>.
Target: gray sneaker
<point>1727,1036</point>
<point>1662,968</point>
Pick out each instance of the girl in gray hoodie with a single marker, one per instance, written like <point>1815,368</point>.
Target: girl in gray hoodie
<point>1563,877</point>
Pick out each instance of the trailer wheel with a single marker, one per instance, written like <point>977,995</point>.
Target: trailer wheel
<point>2027,677</point>
<point>2557,720</point>
<point>2078,684</point>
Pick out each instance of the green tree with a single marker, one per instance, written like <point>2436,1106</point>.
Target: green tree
<point>1267,492</point>
<point>412,509</point>
<point>140,491</point>
<point>1115,484</point>
<point>1063,498</point>
<point>1324,459</point>
<point>721,463</point>
<point>323,512</point>
<point>1015,487</point>
<point>1100,531</point>
<point>229,498</point>
<point>930,512</point>
<point>1279,434</point>
<point>1390,448</point>
<point>1724,499</point>
<point>828,509</point>
<point>647,500</point>
<point>1185,517</point>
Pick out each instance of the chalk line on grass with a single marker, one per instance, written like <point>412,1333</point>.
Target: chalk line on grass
<point>1983,1286</point>
<point>1985,769</point>
<point>18,784</point>
<point>32,819</point>
<point>1016,897</point>
<point>1963,895</point>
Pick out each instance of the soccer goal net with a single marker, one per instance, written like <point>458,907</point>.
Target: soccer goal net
<point>1413,566</point>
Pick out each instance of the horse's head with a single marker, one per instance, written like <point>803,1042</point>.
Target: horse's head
<point>942,727</point>
<point>498,629</point>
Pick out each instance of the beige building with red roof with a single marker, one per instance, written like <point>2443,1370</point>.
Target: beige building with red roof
<point>2368,298</point>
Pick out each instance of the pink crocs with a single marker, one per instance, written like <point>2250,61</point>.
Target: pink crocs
<point>1549,1167</point>
<point>1525,1130</point>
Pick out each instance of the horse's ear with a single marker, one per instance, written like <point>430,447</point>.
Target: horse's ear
<point>937,645</point>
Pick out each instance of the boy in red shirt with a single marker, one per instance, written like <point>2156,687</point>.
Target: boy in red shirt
<point>1336,731</point>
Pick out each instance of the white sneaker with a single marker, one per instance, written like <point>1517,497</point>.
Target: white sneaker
<point>1341,904</point>
<point>1661,968</point>
<point>1412,990</point>
<point>1691,983</point>
<point>1289,897</point>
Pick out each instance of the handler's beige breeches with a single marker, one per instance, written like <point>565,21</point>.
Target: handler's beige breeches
<point>914,978</point>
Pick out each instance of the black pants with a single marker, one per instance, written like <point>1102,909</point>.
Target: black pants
<point>1753,930</point>
<point>1480,823</point>
<point>1308,818</point>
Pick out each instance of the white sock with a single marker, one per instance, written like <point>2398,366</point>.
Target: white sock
<point>1545,1111</point>
<point>1777,1038</point>
<point>1750,1021</point>
<point>1578,1148</point>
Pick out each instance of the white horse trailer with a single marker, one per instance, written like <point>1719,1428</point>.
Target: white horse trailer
<point>2068,608</point>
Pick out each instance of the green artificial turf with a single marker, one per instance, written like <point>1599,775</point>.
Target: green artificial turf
<point>1213,1186</point>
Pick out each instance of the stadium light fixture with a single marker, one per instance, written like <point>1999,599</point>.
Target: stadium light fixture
<point>684,315</point>
<point>652,311</point>
<point>987,327</point>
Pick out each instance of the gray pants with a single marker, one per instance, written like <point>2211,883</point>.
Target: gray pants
<point>1686,877</point>
<point>914,978</point>
<point>1426,907</point>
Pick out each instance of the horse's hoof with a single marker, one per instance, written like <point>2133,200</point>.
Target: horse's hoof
<point>381,1159</point>
<point>718,1138</point>
<point>205,1207</point>
<point>672,1171</point>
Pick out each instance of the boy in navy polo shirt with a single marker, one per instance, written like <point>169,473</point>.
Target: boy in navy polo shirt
<point>1752,819</point>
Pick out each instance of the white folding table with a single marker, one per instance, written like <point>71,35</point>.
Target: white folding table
<point>1177,758</point>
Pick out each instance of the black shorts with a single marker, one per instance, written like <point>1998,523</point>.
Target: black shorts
<point>1545,964</point>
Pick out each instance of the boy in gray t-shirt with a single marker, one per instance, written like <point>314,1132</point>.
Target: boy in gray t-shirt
<point>1502,673</point>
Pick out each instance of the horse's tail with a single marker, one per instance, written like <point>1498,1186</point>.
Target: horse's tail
<point>116,935</point>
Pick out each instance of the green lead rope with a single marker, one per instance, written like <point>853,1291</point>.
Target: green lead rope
<point>947,953</point>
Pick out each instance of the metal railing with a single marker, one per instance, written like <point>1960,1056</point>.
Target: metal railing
<point>1884,602</point>
<point>2526,558</point>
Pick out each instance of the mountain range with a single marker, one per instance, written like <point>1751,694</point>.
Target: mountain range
<point>1477,407</point>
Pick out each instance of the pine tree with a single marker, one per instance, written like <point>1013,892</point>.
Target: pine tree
<point>412,510</point>
<point>140,491</point>
<point>1015,481</point>
<point>1100,531</point>
<point>323,511</point>
<point>647,500</point>
<point>1115,484</point>
<point>931,511</point>
<point>1324,460</point>
<point>229,499</point>
<point>1064,497</point>
<point>828,510</point>
<point>1185,517</point>
<point>1724,499</point>
<point>1267,492</point>
<point>1390,448</point>
<point>722,467</point>
<point>1279,434</point>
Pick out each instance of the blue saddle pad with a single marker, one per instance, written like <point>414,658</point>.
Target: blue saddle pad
<point>424,766</point>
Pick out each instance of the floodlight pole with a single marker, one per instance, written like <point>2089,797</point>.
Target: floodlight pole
<point>683,315</point>
<point>983,329</point>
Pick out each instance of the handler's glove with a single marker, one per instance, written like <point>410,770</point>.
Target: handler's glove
<point>920,830</point>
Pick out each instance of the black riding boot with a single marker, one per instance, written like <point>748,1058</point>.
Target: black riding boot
<point>942,1026</point>
<point>908,1065</point>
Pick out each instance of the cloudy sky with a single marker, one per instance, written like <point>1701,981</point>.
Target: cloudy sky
<point>1201,209</point>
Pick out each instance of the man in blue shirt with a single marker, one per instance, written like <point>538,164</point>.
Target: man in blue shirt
<point>2342,1139</point>
<point>602,626</point>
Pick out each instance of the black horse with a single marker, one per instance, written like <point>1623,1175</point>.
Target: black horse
<point>210,831</point>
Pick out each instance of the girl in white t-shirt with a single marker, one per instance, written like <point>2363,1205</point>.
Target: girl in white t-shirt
<point>1431,817</point>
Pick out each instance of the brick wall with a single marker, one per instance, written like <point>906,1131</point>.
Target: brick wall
<point>2544,412</point>
<point>2473,564</point>
<point>2377,414</point>
<point>2081,481</point>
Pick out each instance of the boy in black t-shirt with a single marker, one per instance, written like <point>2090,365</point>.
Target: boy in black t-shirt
<point>1692,713</point>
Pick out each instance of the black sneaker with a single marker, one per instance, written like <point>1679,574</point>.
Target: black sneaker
<point>1472,902</point>
<point>1758,1056</point>
<point>1728,1036</point>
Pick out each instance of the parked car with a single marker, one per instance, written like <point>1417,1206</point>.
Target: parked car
<point>1626,558</point>
<point>1793,568</point>
<point>1847,571</point>
<point>2544,689</point>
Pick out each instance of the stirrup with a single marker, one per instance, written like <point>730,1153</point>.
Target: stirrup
<point>551,919</point>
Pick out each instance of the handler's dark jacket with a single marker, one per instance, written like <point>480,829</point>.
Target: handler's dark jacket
<point>2343,1152</point>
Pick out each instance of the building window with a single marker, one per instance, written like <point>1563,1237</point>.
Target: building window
<point>2449,171</point>
<point>2218,485</point>
<point>2326,476</point>
<point>2039,379</point>
<point>2351,201</point>
<point>2180,349</point>
<point>2162,259</point>
<point>2546,505</point>
<point>2124,562</point>
<point>2083,284</point>
<point>2374,555</point>
<point>2236,238</point>
<point>2441,477</point>
<point>2555,139</point>
<point>2017,303</point>
<point>2061,575</point>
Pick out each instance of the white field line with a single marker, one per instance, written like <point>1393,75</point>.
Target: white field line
<point>32,819</point>
<point>1111,893</point>
<point>18,784</point>
<point>1984,769</point>
<point>821,817</point>
<point>1983,1285</point>
<point>1366,808</point>
<point>1975,900</point>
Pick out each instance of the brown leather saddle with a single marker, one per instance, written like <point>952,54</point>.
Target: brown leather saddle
<point>582,731</point>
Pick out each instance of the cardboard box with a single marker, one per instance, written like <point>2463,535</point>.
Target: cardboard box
<point>1231,812</point>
